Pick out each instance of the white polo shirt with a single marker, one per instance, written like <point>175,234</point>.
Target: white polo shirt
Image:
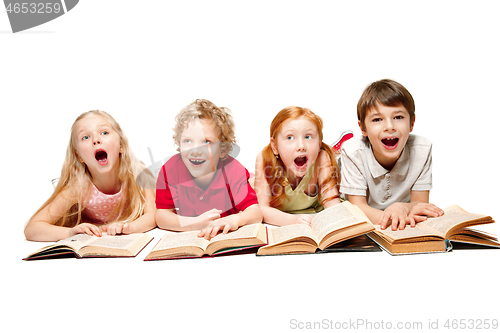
<point>362,175</point>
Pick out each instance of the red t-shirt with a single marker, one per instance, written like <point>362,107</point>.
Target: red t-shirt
<point>176,188</point>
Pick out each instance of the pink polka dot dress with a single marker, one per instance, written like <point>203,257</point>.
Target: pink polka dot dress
<point>100,207</point>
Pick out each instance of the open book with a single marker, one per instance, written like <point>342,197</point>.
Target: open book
<point>83,245</point>
<point>330,226</point>
<point>187,244</point>
<point>435,234</point>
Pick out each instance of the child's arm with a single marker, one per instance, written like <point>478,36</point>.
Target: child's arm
<point>421,208</point>
<point>169,220</point>
<point>41,226</point>
<point>399,214</point>
<point>372,213</point>
<point>252,214</point>
<point>144,223</point>
<point>270,214</point>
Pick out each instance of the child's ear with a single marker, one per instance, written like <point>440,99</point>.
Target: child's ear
<point>412,124</point>
<point>274,147</point>
<point>362,129</point>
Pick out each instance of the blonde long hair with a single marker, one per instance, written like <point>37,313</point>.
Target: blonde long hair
<point>75,179</point>
<point>273,166</point>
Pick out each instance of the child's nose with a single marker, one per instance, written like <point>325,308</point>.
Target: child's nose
<point>197,149</point>
<point>389,126</point>
<point>301,144</point>
<point>97,142</point>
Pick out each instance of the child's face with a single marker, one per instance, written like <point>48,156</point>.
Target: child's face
<point>388,129</point>
<point>298,145</point>
<point>97,144</point>
<point>200,149</point>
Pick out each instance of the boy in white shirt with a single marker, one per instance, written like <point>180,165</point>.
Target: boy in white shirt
<point>387,172</point>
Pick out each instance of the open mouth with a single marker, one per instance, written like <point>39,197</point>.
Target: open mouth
<point>300,161</point>
<point>101,156</point>
<point>390,143</point>
<point>196,162</point>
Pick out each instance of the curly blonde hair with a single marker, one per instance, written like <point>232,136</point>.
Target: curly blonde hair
<point>204,109</point>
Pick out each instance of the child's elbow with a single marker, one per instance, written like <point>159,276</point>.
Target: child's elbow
<point>259,216</point>
<point>29,233</point>
<point>162,219</point>
<point>256,215</point>
<point>159,218</point>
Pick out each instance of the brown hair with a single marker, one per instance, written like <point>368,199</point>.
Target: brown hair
<point>204,109</point>
<point>386,92</point>
<point>273,166</point>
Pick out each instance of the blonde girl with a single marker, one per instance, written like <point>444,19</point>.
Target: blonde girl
<point>102,187</point>
<point>296,170</point>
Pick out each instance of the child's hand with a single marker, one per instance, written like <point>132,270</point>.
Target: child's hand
<point>396,215</point>
<point>421,211</point>
<point>209,216</point>
<point>85,228</point>
<point>304,219</point>
<point>226,224</point>
<point>117,228</point>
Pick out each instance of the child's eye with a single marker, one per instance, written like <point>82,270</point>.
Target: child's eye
<point>289,137</point>
<point>376,120</point>
<point>206,142</point>
<point>105,133</point>
<point>399,117</point>
<point>186,141</point>
<point>86,137</point>
<point>308,136</point>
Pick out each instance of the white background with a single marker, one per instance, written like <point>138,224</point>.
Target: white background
<point>142,61</point>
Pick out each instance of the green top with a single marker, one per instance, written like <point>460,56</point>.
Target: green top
<point>297,200</point>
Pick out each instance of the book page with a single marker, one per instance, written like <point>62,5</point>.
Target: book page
<point>114,242</point>
<point>247,231</point>
<point>172,240</point>
<point>287,232</point>
<point>453,216</point>
<point>477,233</point>
<point>433,226</point>
<point>77,241</point>
<point>334,218</point>
<point>408,232</point>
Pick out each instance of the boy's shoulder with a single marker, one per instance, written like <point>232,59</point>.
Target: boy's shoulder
<point>173,161</point>
<point>417,140</point>
<point>230,163</point>
<point>175,170</point>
